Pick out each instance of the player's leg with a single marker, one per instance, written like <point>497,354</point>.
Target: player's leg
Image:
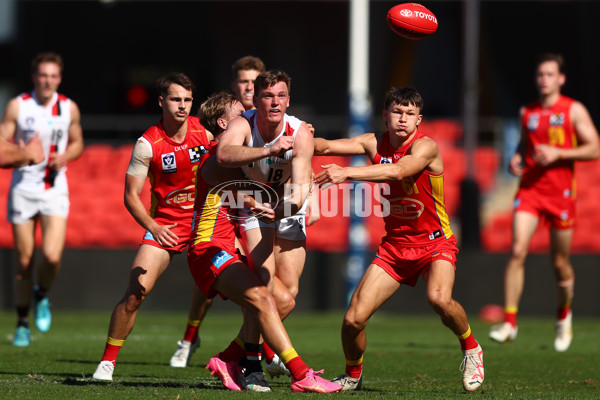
<point>524,225</point>
<point>186,347</point>
<point>560,248</point>
<point>258,246</point>
<point>245,288</point>
<point>149,263</point>
<point>439,279</point>
<point>375,288</point>
<point>290,257</point>
<point>54,231</point>
<point>25,246</point>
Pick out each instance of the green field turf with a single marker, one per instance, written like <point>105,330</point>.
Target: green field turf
<point>408,357</point>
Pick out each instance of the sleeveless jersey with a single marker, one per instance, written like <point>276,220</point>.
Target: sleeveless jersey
<point>417,209</point>
<point>172,170</point>
<point>52,122</point>
<point>549,125</point>
<point>211,221</point>
<point>275,170</point>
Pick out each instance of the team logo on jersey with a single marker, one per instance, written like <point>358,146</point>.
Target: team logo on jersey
<point>385,160</point>
<point>533,122</point>
<point>406,208</point>
<point>220,258</point>
<point>557,119</point>
<point>169,165</point>
<point>182,198</point>
<point>435,235</point>
<point>196,153</point>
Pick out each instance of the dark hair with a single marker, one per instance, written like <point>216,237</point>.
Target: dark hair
<point>247,63</point>
<point>270,78</point>
<point>557,58</point>
<point>47,57</point>
<point>213,108</point>
<point>404,96</point>
<point>177,78</point>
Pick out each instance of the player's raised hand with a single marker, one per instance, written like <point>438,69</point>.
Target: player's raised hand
<point>283,144</point>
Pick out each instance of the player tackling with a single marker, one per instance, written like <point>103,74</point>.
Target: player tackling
<point>419,240</point>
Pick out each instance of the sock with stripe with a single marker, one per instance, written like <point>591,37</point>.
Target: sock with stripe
<point>294,364</point>
<point>191,331</point>
<point>253,358</point>
<point>234,352</point>
<point>268,353</point>
<point>510,315</point>
<point>467,340</point>
<point>354,367</point>
<point>111,351</point>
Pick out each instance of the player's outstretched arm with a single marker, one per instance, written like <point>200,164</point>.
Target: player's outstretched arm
<point>424,155</point>
<point>356,146</point>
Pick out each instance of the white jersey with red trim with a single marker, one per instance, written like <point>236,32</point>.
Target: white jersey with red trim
<point>275,170</point>
<point>52,124</point>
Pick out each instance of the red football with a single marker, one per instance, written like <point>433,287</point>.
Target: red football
<point>412,20</point>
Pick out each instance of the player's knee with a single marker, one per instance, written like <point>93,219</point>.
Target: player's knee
<point>52,258</point>
<point>285,305</point>
<point>353,322</point>
<point>519,252</point>
<point>440,303</point>
<point>260,299</point>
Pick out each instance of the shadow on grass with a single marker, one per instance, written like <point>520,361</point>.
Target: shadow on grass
<point>72,381</point>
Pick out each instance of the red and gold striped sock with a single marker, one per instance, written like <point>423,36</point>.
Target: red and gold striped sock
<point>268,353</point>
<point>354,367</point>
<point>191,331</point>
<point>111,350</point>
<point>234,352</point>
<point>294,363</point>
<point>467,340</point>
<point>510,315</point>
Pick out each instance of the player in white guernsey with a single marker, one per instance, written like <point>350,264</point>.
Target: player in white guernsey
<point>276,150</point>
<point>39,192</point>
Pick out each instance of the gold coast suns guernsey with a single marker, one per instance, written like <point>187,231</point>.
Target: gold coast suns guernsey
<point>274,170</point>
<point>172,171</point>
<point>52,123</point>
<point>211,221</point>
<point>417,210</point>
<point>552,126</point>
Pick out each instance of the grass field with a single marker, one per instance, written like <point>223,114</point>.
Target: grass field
<point>410,357</point>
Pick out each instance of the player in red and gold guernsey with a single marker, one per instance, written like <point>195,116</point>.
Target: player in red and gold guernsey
<point>418,241</point>
<point>168,154</point>
<point>556,131</point>
<point>218,268</point>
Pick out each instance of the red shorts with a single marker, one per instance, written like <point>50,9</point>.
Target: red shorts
<point>207,261</point>
<point>557,210</point>
<point>405,264</point>
<point>182,230</point>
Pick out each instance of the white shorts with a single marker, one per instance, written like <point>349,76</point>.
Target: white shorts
<point>288,228</point>
<point>24,205</point>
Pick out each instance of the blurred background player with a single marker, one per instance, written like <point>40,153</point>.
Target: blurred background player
<point>418,242</point>
<point>169,153</point>
<point>39,193</point>
<point>214,114</point>
<point>556,131</point>
<point>244,72</point>
<point>17,155</point>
